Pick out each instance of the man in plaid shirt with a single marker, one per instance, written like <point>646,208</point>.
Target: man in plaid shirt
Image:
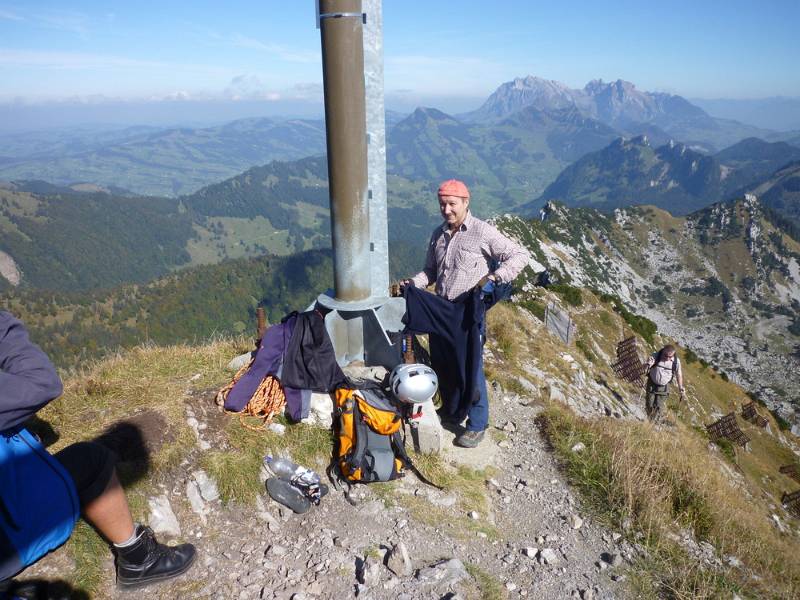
<point>462,253</point>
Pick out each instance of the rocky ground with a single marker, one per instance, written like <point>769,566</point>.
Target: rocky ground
<point>401,540</point>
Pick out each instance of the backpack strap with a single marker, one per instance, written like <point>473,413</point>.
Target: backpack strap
<point>356,457</point>
<point>399,445</point>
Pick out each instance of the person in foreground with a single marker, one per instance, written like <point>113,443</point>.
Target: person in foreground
<point>662,368</point>
<point>465,252</point>
<point>42,494</point>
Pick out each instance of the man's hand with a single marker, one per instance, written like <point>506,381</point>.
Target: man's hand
<point>398,287</point>
<point>486,284</point>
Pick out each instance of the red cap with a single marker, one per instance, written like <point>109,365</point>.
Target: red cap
<point>454,187</point>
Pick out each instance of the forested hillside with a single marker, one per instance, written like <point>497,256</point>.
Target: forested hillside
<point>192,305</point>
<point>84,241</point>
<point>79,241</point>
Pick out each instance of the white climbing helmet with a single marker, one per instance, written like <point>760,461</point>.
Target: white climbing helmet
<point>414,383</point>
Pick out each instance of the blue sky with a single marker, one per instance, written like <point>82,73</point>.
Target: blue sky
<point>265,55</point>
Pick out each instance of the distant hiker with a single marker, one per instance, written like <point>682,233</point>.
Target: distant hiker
<point>42,494</point>
<point>464,253</point>
<point>662,367</point>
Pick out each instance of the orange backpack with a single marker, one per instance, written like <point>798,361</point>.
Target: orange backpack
<point>370,445</point>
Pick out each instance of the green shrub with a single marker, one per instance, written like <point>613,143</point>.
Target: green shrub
<point>583,346</point>
<point>535,307</point>
<point>641,325</point>
<point>726,448</point>
<point>783,424</point>
<point>570,294</point>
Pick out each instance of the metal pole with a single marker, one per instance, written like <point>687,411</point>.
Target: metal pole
<point>345,123</point>
<point>376,150</point>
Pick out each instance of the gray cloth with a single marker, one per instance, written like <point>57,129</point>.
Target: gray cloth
<point>28,380</point>
<point>655,400</point>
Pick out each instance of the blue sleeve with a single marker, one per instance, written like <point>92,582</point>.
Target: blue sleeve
<point>28,380</point>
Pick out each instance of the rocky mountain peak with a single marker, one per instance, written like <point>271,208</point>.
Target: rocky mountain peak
<point>519,93</point>
<point>618,104</point>
<point>619,88</point>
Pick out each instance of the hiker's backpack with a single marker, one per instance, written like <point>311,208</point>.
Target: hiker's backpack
<point>38,502</point>
<point>369,436</point>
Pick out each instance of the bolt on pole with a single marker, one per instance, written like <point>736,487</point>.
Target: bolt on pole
<point>342,37</point>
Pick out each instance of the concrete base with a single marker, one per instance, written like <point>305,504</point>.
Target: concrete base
<point>427,435</point>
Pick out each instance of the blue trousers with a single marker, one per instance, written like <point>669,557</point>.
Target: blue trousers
<point>478,414</point>
<point>457,330</point>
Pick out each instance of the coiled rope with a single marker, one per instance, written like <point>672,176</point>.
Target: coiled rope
<point>267,401</point>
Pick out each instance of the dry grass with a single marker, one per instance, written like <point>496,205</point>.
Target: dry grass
<point>236,469</point>
<point>506,329</point>
<point>154,379</point>
<point>489,586</point>
<point>662,482</point>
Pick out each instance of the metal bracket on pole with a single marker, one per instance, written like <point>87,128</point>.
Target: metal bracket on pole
<point>358,330</point>
<point>340,15</point>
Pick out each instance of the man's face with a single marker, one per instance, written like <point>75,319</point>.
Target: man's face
<point>453,209</point>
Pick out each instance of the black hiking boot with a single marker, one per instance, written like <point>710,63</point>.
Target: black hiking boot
<point>469,439</point>
<point>147,561</point>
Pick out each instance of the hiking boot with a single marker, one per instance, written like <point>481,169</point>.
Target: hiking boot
<point>147,561</point>
<point>469,439</point>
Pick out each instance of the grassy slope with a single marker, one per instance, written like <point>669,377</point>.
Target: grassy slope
<point>661,482</point>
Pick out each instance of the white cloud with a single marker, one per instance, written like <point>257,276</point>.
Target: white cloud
<point>7,15</point>
<point>54,19</point>
<point>283,52</point>
<point>70,60</point>
<point>251,87</point>
<point>65,60</point>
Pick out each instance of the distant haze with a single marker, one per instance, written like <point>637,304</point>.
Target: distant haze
<point>778,113</point>
<point>22,116</point>
<point>781,114</point>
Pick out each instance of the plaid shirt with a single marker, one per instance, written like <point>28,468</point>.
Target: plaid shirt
<point>458,261</point>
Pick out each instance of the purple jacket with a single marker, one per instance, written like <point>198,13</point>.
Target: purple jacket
<point>268,361</point>
<point>28,380</point>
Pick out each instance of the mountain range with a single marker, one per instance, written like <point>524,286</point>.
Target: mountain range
<point>539,126</point>
<point>671,176</point>
<point>80,238</point>
<point>505,161</point>
<point>61,238</point>
<point>618,104</point>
